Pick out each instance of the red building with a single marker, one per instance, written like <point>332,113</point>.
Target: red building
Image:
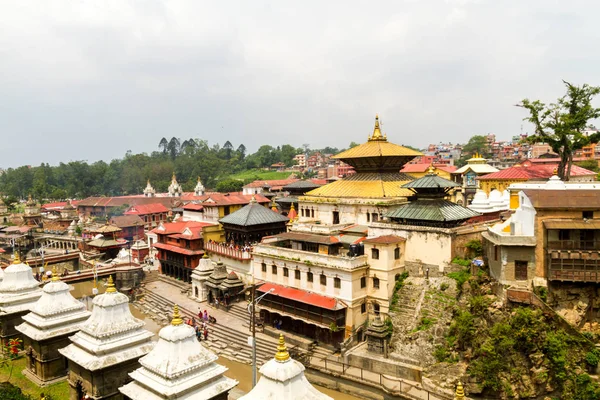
<point>180,247</point>
<point>151,214</point>
<point>132,227</point>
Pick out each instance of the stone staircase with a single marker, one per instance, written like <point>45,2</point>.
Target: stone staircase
<point>223,340</point>
<point>149,277</point>
<point>182,286</point>
<point>410,298</point>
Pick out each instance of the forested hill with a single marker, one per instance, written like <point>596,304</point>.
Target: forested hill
<point>188,159</point>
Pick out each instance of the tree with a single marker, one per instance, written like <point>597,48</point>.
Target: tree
<point>173,147</point>
<point>228,147</point>
<point>352,144</point>
<point>163,145</point>
<point>241,150</point>
<point>561,124</point>
<point>477,144</point>
<point>229,185</point>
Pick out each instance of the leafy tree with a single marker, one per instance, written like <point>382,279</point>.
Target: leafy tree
<point>228,147</point>
<point>229,185</point>
<point>477,144</point>
<point>163,144</point>
<point>173,147</point>
<point>241,150</point>
<point>561,124</point>
<point>352,144</point>
<point>590,164</point>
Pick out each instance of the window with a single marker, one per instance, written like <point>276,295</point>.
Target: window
<point>263,267</point>
<point>564,234</point>
<point>286,272</point>
<point>587,214</point>
<point>337,283</point>
<point>323,279</point>
<point>309,276</point>
<point>375,283</point>
<point>520,270</point>
<point>363,308</point>
<point>336,217</point>
<point>375,254</point>
<point>297,274</point>
<point>397,253</point>
<point>376,308</point>
<point>375,217</point>
<point>368,217</point>
<point>363,282</point>
<point>312,213</point>
<point>274,269</point>
<point>226,211</point>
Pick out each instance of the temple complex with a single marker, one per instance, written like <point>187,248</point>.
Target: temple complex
<point>200,276</point>
<point>19,291</point>
<point>32,216</point>
<point>283,378</point>
<point>467,175</point>
<point>107,348</point>
<point>178,367</point>
<point>53,318</point>
<point>365,196</point>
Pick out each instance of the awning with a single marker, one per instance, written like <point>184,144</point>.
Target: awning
<point>179,250</point>
<point>572,224</point>
<point>302,296</point>
<point>292,316</point>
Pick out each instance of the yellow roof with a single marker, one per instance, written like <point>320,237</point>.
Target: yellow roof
<point>366,185</point>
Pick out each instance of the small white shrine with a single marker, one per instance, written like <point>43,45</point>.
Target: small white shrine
<point>19,291</point>
<point>55,316</point>
<point>107,348</point>
<point>179,367</point>
<point>149,190</point>
<point>199,189</point>
<point>199,276</point>
<point>174,187</point>
<point>283,379</point>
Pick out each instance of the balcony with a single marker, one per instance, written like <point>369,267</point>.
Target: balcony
<point>573,265</point>
<point>309,258</point>
<point>227,251</point>
<point>574,245</point>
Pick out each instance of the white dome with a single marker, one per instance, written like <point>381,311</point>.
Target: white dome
<point>554,183</point>
<point>480,203</point>
<point>18,277</point>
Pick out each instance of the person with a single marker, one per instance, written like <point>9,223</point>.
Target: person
<point>205,334</point>
<point>205,315</point>
<point>37,276</point>
<point>274,323</point>
<point>193,321</point>
<point>279,324</point>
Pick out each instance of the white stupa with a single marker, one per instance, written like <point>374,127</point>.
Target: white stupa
<point>18,290</point>
<point>496,201</point>
<point>174,187</point>
<point>554,183</point>
<point>506,199</point>
<point>283,379</point>
<point>199,189</point>
<point>480,203</point>
<point>55,313</point>
<point>179,367</point>
<point>149,190</point>
<point>110,336</point>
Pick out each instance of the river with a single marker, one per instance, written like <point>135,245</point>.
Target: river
<point>239,371</point>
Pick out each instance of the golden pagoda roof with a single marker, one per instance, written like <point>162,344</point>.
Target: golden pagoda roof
<point>366,185</point>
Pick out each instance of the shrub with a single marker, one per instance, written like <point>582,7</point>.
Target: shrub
<point>460,277</point>
<point>461,261</point>
<point>592,359</point>
<point>478,304</point>
<point>444,286</point>
<point>475,247</point>
<point>463,328</point>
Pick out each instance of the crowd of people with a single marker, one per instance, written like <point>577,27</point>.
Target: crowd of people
<point>232,245</point>
<point>201,326</point>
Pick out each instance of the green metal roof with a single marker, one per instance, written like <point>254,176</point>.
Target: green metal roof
<point>253,214</point>
<point>432,210</point>
<point>304,184</point>
<point>430,181</point>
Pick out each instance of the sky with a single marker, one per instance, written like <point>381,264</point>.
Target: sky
<point>90,80</point>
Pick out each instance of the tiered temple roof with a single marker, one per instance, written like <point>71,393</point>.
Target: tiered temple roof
<point>253,214</point>
<point>56,313</point>
<point>111,335</point>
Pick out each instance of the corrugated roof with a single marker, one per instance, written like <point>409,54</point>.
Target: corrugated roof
<point>430,181</point>
<point>301,296</point>
<point>529,171</point>
<point>270,183</point>
<point>366,185</point>
<point>422,167</point>
<point>432,210</point>
<point>179,250</point>
<point>124,221</point>
<point>477,168</point>
<point>386,239</point>
<point>253,214</point>
<point>304,184</point>
<point>143,209</point>
<point>572,224</point>
<point>564,199</point>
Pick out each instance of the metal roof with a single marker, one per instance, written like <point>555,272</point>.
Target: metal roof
<point>253,214</point>
<point>572,224</point>
<point>377,149</point>
<point>306,184</point>
<point>366,185</point>
<point>430,181</point>
<point>308,237</point>
<point>432,210</point>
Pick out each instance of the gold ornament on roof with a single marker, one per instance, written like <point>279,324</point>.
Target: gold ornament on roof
<point>16,259</point>
<point>54,274</point>
<point>431,169</point>
<point>282,354</point>
<point>377,131</point>
<point>555,171</point>
<point>110,286</point>
<point>176,317</point>
<point>460,392</point>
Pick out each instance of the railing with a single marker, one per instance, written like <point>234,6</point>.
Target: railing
<point>227,251</point>
<point>390,384</point>
<point>575,266</point>
<point>574,244</point>
<point>318,317</point>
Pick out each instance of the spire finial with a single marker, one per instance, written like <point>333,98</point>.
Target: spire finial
<point>555,171</point>
<point>460,392</point>
<point>110,286</point>
<point>176,317</point>
<point>54,274</point>
<point>431,169</point>
<point>174,178</point>
<point>282,354</point>
<point>377,130</point>
<point>17,259</point>
<point>253,200</point>
<point>198,178</point>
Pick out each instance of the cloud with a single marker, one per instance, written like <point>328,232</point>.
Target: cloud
<point>89,79</point>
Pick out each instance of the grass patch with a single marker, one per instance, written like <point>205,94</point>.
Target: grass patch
<point>57,391</point>
<point>460,277</point>
<point>259,174</point>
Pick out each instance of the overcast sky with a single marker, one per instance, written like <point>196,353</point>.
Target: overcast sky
<point>89,80</point>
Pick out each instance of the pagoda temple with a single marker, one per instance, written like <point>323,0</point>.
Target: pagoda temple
<point>362,197</point>
<point>178,367</point>
<point>19,291</point>
<point>283,379</point>
<point>53,318</point>
<point>430,208</point>
<point>107,348</point>
<point>199,189</point>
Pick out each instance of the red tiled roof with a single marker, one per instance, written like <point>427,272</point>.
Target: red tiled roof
<point>318,181</point>
<point>143,209</point>
<point>227,199</point>
<point>125,221</point>
<point>424,166</point>
<point>193,207</point>
<point>175,249</point>
<point>59,205</point>
<point>122,200</point>
<point>179,227</point>
<point>387,239</point>
<point>554,160</point>
<point>528,171</point>
<point>300,295</point>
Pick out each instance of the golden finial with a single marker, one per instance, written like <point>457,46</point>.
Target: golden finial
<point>148,182</point>
<point>198,178</point>
<point>274,205</point>
<point>176,317</point>
<point>205,255</point>
<point>110,286</point>
<point>54,274</point>
<point>377,130</point>
<point>431,169</point>
<point>460,392</point>
<point>282,354</point>
<point>17,259</point>
<point>555,171</point>
<point>253,200</point>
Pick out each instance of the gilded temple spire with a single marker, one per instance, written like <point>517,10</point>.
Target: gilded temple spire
<point>377,131</point>
<point>282,354</point>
